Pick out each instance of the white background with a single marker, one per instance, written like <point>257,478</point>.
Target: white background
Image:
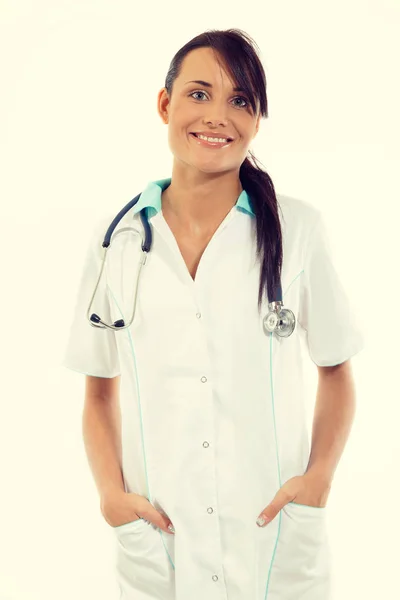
<point>81,136</point>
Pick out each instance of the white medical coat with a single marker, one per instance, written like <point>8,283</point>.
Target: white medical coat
<point>213,408</point>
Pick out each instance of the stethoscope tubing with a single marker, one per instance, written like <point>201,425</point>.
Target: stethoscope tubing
<point>279,320</point>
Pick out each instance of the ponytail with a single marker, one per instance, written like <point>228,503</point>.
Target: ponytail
<point>264,203</point>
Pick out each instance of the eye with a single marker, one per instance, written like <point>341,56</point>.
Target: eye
<point>240,98</point>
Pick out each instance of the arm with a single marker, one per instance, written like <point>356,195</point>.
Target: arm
<point>333,417</point>
<point>101,425</point>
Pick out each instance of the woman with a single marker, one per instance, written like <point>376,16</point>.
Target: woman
<point>213,427</point>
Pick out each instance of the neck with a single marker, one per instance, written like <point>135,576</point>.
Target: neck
<point>198,207</point>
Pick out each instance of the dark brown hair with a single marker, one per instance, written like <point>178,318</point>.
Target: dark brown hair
<point>241,61</point>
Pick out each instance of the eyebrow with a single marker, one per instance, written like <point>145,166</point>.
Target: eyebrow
<point>206,84</point>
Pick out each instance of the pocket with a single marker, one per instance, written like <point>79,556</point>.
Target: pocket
<point>308,506</point>
<point>301,565</point>
<point>142,561</point>
<point>128,525</point>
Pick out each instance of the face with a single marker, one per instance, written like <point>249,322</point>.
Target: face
<point>196,107</point>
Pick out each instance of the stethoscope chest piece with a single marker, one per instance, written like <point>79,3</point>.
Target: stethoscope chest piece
<point>270,322</point>
<point>279,320</point>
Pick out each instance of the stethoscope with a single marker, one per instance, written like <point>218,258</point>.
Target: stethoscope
<point>279,320</point>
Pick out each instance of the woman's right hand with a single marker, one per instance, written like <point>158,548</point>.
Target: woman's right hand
<point>120,507</point>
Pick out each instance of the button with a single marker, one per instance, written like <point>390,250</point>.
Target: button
<point>215,577</point>
<point>198,315</point>
<point>210,510</point>
<point>204,379</point>
<point>206,444</point>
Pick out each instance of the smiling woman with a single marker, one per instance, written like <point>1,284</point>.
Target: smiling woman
<point>237,93</point>
<point>210,408</point>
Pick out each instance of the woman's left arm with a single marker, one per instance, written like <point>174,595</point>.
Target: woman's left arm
<point>333,418</point>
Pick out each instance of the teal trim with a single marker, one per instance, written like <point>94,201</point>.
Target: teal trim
<point>276,441</point>
<point>150,198</point>
<point>298,275</point>
<point>149,495</point>
<point>277,457</point>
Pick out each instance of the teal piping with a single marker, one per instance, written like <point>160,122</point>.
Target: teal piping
<point>141,427</point>
<point>276,443</point>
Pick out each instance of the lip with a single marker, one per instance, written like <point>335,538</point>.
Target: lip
<point>210,144</point>
<point>216,134</point>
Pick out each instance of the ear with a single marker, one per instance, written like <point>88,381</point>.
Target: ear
<point>162,104</point>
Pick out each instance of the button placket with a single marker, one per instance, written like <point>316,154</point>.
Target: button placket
<point>206,444</point>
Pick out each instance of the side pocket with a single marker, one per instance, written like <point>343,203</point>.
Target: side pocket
<point>129,525</point>
<point>301,567</point>
<point>308,506</point>
<point>142,565</point>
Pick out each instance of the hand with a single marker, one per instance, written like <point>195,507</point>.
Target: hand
<point>120,507</point>
<point>308,489</point>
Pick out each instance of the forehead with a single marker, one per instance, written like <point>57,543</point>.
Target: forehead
<point>204,64</point>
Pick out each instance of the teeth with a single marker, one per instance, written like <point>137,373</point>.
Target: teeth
<point>210,139</point>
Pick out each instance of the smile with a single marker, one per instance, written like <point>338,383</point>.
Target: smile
<point>205,143</point>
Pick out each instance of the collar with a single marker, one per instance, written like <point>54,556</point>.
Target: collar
<point>151,198</point>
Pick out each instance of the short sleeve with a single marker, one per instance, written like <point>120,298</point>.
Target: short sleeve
<point>326,313</point>
<point>92,350</point>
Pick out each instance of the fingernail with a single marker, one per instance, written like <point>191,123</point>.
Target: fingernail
<point>261,521</point>
<point>171,528</point>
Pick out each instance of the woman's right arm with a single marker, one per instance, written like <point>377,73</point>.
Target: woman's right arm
<point>101,426</point>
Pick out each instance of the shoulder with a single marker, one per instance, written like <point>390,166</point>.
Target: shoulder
<point>299,219</point>
<point>297,211</point>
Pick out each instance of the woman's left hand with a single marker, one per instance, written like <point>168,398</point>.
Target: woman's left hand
<point>308,489</point>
